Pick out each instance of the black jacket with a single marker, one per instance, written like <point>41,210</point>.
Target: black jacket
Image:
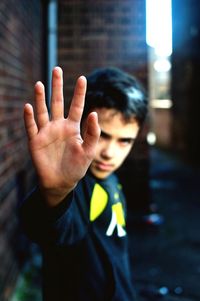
<point>84,242</point>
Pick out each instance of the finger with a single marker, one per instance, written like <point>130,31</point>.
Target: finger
<point>30,124</point>
<point>57,109</point>
<point>77,104</point>
<point>91,135</point>
<point>40,105</point>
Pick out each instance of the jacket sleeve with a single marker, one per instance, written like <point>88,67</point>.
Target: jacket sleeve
<point>61,225</point>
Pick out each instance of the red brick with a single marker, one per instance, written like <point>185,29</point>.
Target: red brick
<point>20,67</point>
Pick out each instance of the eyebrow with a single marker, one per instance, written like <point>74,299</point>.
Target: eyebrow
<point>108,136</point>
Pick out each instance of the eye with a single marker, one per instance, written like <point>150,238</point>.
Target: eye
<point>104,135</point>
<point>126,141</point>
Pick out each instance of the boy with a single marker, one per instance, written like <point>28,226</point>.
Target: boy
<point>77,215</point>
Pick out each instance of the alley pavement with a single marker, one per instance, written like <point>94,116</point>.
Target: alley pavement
<point>166,258</point>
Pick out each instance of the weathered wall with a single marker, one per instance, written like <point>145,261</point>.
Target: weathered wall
<point>186,81</point>
<point>98,33</point>
<point>20,67</point>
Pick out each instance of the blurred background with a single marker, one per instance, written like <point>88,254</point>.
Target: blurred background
<point>158,42</point>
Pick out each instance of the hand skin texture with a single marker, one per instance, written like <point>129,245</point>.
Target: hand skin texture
<point>60,154</point>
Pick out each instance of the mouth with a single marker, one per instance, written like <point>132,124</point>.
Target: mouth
<point>102,166</point>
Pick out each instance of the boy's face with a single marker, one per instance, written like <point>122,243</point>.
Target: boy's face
<point>116,140</point>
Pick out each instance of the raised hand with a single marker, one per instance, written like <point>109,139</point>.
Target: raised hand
<point>60,155</point>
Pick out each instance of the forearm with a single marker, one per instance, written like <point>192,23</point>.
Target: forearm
<point>38,218</point>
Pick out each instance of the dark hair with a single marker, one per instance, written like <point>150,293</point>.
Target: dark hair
<point>114,89</point>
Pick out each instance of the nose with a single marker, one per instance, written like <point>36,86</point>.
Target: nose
<point>108,150</point>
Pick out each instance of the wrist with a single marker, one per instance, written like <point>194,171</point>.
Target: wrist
<point>54,197</point>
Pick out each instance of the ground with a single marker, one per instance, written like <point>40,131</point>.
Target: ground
<point>166,259</point>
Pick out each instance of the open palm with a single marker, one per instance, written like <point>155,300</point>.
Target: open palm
<point>60,155</point>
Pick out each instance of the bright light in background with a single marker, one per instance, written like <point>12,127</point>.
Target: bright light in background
<point>162,65</point>
<point>151,138</point>
<point>159,26</point>
<point>161,103</point>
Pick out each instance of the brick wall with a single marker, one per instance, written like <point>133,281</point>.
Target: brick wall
<point>186,81</point>
<point>20,61</point>
<point>100,33</point>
